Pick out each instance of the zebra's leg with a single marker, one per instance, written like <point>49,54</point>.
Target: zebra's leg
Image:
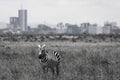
<point>57,69</point>
<point>52,69</point>
<point>43,69</point>
<point>46,69</point>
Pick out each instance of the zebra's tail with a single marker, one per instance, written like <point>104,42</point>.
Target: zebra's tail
<point>57,55</point>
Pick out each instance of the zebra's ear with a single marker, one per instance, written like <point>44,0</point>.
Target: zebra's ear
<point>39,46</point>
<point>43,46</point>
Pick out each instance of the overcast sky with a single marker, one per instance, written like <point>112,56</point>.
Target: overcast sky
<point>54,11</point>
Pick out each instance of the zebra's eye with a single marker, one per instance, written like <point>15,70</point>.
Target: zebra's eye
<point>40,49</point>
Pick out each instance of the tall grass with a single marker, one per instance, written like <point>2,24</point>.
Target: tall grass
<point>78,63</point>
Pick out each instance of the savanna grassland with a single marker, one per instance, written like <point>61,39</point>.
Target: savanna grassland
<point>79,61</point>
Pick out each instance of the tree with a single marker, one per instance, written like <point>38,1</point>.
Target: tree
<point>60,26</point>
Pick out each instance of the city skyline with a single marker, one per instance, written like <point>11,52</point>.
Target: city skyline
<point>67,11</point>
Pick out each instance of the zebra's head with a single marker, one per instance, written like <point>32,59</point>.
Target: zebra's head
<point>42,52</point>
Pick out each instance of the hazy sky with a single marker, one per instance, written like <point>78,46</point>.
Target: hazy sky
<point>54,11</point>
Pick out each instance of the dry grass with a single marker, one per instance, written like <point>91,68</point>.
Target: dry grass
<point>80,61</point>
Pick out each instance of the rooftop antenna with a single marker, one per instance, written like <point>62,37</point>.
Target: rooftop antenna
<point>21,6</point>
<point>44,22</point>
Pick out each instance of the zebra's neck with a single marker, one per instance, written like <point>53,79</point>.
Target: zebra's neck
<point>44,59</point>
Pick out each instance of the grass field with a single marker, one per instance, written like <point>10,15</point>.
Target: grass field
<point>80,61</point>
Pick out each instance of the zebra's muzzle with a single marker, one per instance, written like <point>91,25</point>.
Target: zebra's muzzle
<point>42,56</point>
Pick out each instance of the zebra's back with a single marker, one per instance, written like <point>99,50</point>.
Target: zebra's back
<point>52,54</point>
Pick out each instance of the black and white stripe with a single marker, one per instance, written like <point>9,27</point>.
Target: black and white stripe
<point>57,55</point>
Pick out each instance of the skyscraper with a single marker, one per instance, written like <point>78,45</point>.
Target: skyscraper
<point>23,19</point>
<point>14,20</point>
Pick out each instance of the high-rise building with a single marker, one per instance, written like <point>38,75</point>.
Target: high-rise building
<point>14,20</point>
<point>106,29</point>
<point>14,25</point>
<point>109,27</point>
<point>85,25</point>
<point>23,19</point>
<point>94,29</point>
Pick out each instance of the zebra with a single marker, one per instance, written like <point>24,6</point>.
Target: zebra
<point>49,59</point>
